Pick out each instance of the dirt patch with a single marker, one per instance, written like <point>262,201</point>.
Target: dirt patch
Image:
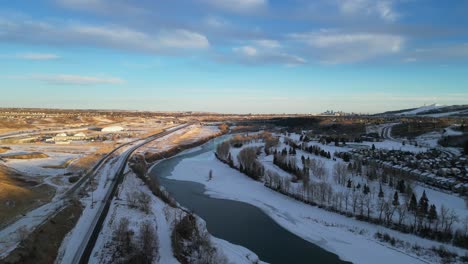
<point>42,245</point>
<point>61,166</point>
<point>4,149</point>
<point>88,161</point>
<point>33,155</point>
<point>151,157</point>
<point>19,195</point>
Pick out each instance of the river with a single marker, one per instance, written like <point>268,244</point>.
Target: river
<point>238,222</point>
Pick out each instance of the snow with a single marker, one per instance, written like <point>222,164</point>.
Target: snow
<point>393,145</point>
<point>162,217</point>
<point>440,198</point>
<point>422,109</point>
<point>36,167</point>
<point>76,236</point>
<point>9,238</point>
<point>346,237</point>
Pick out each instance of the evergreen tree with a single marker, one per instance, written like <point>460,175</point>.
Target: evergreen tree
<point>373,147</point>
<point>358,186</point>
<point>366,189</point>
<point>401,186</point>
<point>413,204</point>
<point>381,193</point>
<point>349,184</point>
<point>396,201</point>
<point>423,205</point>
<point>432,213</point>
<point>284,152</point>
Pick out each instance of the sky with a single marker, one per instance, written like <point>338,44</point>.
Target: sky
<point>234,56</point>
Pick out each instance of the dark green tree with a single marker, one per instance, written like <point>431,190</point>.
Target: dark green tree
<point>432,215</point>
<point>423,205</point>
<point>396,201</point>
<point>381,193</point>
<point>413,204</point>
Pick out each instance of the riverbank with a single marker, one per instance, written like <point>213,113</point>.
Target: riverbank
<point>350,239</point>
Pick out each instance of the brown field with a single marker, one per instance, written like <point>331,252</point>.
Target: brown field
<point>7,126</point>
<point>34,249</point>
<point>4,149</point>
<point>88,161</point>
<point>60,166</point>
<point>34,155</point>
<point>18,195</point>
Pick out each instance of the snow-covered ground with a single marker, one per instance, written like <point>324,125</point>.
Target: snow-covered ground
<point>92,205</point>
<point>422,109</point>
<point>186,135</point>
<point>39,167</point>
<point>161,217</point>
<point>346,237</point>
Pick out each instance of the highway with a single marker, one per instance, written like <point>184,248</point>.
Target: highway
<point>83,252</point>
<point>387,134</point>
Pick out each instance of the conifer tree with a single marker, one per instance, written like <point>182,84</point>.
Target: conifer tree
<point>432,215</point>
<point>396,201</point>
<point>423,205</point>
<point>413,204</point>
<point>381,193</point>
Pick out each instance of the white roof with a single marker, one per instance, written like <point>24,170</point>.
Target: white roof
<point>61,135</point>
<point>112,129</point>
<point>81,134</point>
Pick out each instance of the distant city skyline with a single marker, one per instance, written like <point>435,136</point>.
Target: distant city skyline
<point>234,56</point>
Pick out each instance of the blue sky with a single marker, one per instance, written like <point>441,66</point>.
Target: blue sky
<point>258,56</point>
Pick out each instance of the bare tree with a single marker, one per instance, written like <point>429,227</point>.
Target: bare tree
<point>340,172</point>
<point>123,236</point>
<point>148,242</point>
<point>402,211</point>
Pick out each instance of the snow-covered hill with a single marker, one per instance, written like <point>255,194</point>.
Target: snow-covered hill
<point>422,109</point>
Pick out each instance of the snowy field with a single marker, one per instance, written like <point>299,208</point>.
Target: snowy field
<point>346,237</point>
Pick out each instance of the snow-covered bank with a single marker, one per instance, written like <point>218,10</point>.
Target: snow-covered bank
<point>162,217</point>
<point>350,239</point>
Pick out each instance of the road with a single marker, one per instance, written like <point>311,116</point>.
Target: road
<point>387,134</point>
<point>40,215</point>
<point>83,252</point>
<point>30,133</point>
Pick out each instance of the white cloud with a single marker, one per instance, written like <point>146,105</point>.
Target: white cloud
<point>215,22</point>
<point>241,6</point>
<point>109,7</point>
<point>268,43</point>
<point>67,79</point>
<point>337,47</point>
<point>164,41</point>
<point>265,54</point>
<point>37,56</point>
<point>246,51</point>
<point>381,8</point>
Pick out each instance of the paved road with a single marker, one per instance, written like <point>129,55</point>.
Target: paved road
<point>387,134</point>
<point>39,216</point>
<point>86,246</point>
